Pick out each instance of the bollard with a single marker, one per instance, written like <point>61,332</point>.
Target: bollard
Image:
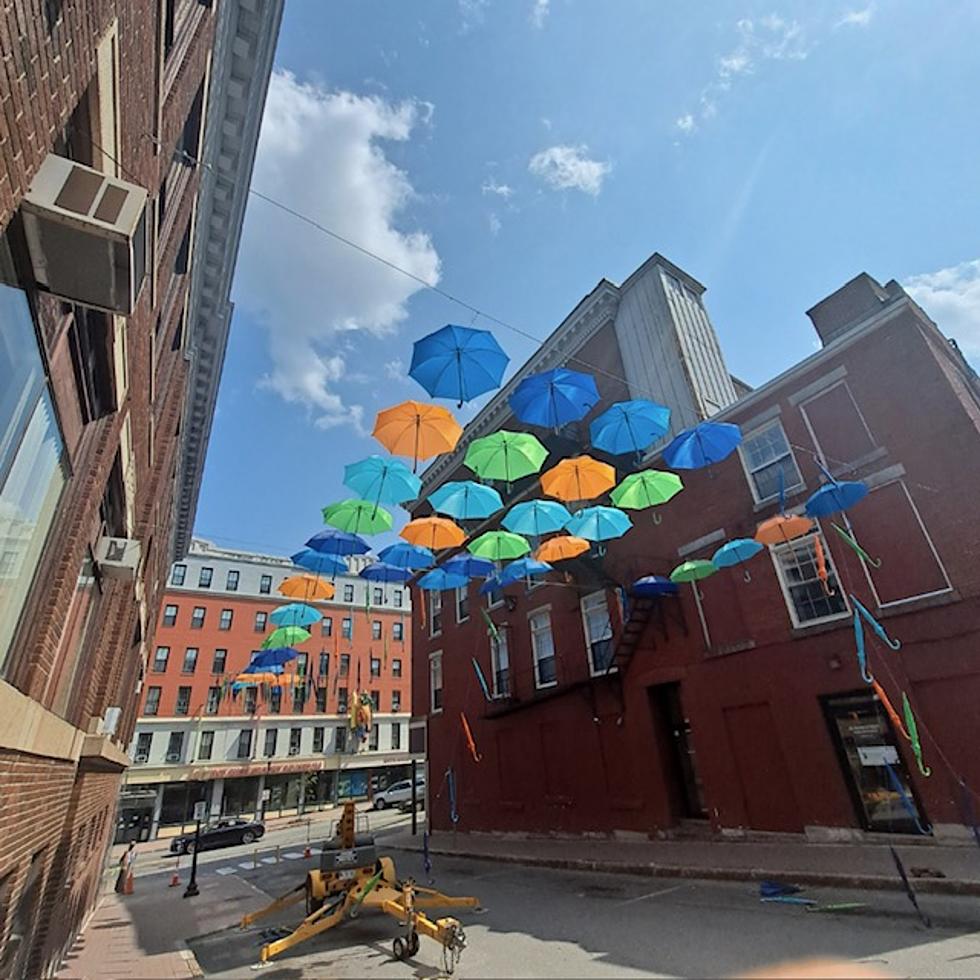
<point>277,853</point>
<point>306,851</point>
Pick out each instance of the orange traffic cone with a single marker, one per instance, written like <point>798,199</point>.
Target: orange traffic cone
<point>307,852</point>
<point>128,887</point>
<point>175,879</point>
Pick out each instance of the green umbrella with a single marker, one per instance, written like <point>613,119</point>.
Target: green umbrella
<point>505,455</point>
<point>646,489</point>
<point>357,517</point>
<point>286,636</point>
<point>499,546</point>
<point>691,571</point>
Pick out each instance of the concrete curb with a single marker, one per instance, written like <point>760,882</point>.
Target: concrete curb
<point>935,886</point>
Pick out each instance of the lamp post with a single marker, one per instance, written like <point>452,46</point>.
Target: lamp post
<point>200,809</point>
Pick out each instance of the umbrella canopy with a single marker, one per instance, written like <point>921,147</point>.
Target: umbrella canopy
<point>383,480</point>
<point>691,571</point>
<point>834,497</point>
<point>271,659</point>
<point>492,584</point>
<point>646,489</point>
<point>433,533</point>
<point>416,429</point>
<point>321,564</point>
<point>523,568</point>
<point>536,517</point>
<point>306,587</point>
<point>357,516</point>
<point>561,548</point>
<point>469,566</point>
<point>553,398</point>
<point>780,529</point>
<point>295,614</point>
<point>458,362</point>
<point>629,427</point>
<point>285,636</point>
<point>338,543</point>
<point>439,580</point>
<point>653,585</point>
<point>735,552</point>
<point>405,555</point>
<point>599,523</point>
<point>505,455</point>
<point>466,500</point>
<point>382,572</point>
<point>706,443</point>
<point>578,478</point>
<point>499,546</point>
<point>254,679</point>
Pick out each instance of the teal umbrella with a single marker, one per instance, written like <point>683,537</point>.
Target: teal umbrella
<point>382,479</point>
<point>465,500</point>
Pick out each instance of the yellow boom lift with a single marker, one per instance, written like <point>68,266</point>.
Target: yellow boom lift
<point>351,876</point>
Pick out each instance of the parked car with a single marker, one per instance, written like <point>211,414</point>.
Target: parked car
<point>224,833</point>
<point>406,805</point>
<point>399,792</point>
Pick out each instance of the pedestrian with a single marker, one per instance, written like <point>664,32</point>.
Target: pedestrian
<point>125,868</point>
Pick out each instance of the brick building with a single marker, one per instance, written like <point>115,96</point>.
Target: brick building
<point>264,750</point>
<point>105,109</point>
<point>738,705</point>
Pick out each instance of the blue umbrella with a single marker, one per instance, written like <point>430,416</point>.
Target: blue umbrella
<point>706,443</point>
<point>834,497</point>
<point>295,614</point>
<point>653,585</point>
<point>629,427</point>
<point>439,580</point>
<point>406,555</point>
<point>536,517</point>
<point>523,568</point>
<point>330,541</point>
<point>382,479</point>
<point>469,565</point>
<point>465,500</point>
<point>735,552</point>
<point>599,523</point>
<point>383,572</point>
<point>270,660</point>
<point>492,584</point>
<point>553,398</point>
<point>458,362</point>
<point>321,564</point>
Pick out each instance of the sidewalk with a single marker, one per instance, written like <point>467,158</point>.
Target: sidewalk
<point>952,869</point>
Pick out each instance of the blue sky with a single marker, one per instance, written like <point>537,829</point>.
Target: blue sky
<point>517,152</point>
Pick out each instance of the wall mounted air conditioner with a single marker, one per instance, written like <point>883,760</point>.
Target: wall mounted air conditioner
<point>118,558</point>
<point>294,751</point>
<point>142,757</point>
<point>87,235</point>
<point>110,720</point>
<point>173,757</point>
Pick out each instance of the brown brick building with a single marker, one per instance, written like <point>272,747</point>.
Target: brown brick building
<point>115,262</point>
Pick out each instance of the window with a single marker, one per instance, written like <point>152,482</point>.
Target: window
<point>598,631</point>
<point>224,622</point>
<point>398,632</point>
<point>378,596</point>
<point>340,738</point>
<point>295,734</point>
<point>214,701</point>
<point>178,574</point>
<point>344,664</point>
<point>376,700</point>
<point>348,593</point>
<point>435,682</point>
<point>197,618</point>
<point>271,737</point>
<point>169,615</point>
<point>204,578</point>
<point>766,454</point>
<point>265,585</point>
<point>376,629</point>
<point>275,701</point>
<point>244,744</point>
<point>302,662</point>
<point>299,697</point>
<point>435,613</point>
<point>495,597</point>
<point>206,745</point>
<point>183,705</point>
<point>375,666</point>
<point>543,648</point>
<point>144,742</point>
<point>326,626</point>
<point>347,628</point>
<point>261,619</point>
<point>396,736</point>
<point>218,661</point>
<point>398,597</point>
<point>807,598</point>
<point>251,700</point>
<point>321,700</point>
<point>396,700</point>
<point>160,659</point>
<point>462,603</point>
<point>324,664</point>
<point>318,738</point>
<point>500,664</point>
<point>175,747</point>
<point>342,705</point>
<point>373,738</point>
<point>190,661</point>
<point>152,705</point>
<point>396,667</point>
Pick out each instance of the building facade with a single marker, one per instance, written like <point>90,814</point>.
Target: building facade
<point>266,750</point>
<point>738,704</point>
<point>105,109</point>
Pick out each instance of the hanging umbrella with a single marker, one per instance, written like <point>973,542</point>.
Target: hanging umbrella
<point>306,587</point>
<point>321,564</point>
<point>433,533</point>
<point>466,500</point>
<point>834,497</point>
<point>383,572</point>
<point>357,516</point>
<point>651,586</point>
<point>553,398</point>
<point>736,552</point>
<point>458,362</point>
<point>499,546</point>
<point>505,455</point>
<point>416,429</point>
<point>561,548</point>
<point>383,480</point>
<point>492,584</point>
<point>536,517</point>
<point>578,478</point>
<point>693,570</point>
<point>599,523</point>
<point>469,566</point>
<point>648,488</point>
<point>286,636</point>
<point>629,427</point>
<point>439,580</point>
<point>706,443</point>
<point>271,659</point>
<point>254,679</point>
<point>780,529</point>
<point>295,614</point>
<point>338,543</point>
<point>523,568</point>
<point>405,555</point>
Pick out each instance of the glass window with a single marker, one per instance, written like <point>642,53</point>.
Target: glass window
<point>251,700</point>
<point>190,661</point>
<point>318,738</point>
<point>175,747</point>
<point>231,582</point>
<point>342,704</point>
<point>766,454</point>
<point>144,742</point>
<point>373,738</point>
<point>396,736</point>
<point>435,682</point>
<point>275,701</point>
<point>598,631</point>
<point>261,619</point>
<point>206,746</point>
<point>809,598</point>
<point>271,737</point>
<point>398,632</point>
<point>299,697</point>
<point>295,735</point>
<point>347,628</point>
<point>500,664</point>
<point>376,700</point>
<point>218,661</point>
<point>495,597</point>
<point>378,596</point>
<point>321,700</point>
<point>197,618</point>
<point>183,705</point>
<point>376,629</point>
<point>462,603</point>
<point>324,664</point>
<point>543,647</point>
<point>169,615</point>
<point>398,597</point>
<point>152,705</point>
<point>214,700</point>
<point>348,593</point>
<point>224,623</point>
<point>204,578</point>
<point>265,585</point>
<point>340,738</point>
<point>375,666</point>
<point>344,664</point>
<point>302,662</point>
<point>435,613</point>
<point>326,626</point>
<point>245,744</point>
<point>178,574</point>
<point>396,667</point>
<point>160,659</point>
<point>396,700</point>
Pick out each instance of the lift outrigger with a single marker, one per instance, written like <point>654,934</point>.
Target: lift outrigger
<point>351,876</point>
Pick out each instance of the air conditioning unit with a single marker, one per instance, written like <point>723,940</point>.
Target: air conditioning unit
<point>87,234</point>
<point>293,750</point>
<point>110,720</point>
<point>142,757</point>
<point>118,558</point>
<point>173,757</point>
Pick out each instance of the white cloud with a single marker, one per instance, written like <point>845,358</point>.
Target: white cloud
<point>857,18</point>
<point>472,13</point>
<point>951,297</point>
<point>539,12</point>
<point>686,123</point>
<point>490,186</point>
<point>395,369</point>
<point>319,153</point>
<point>494,221</point>
<point>568,168</point>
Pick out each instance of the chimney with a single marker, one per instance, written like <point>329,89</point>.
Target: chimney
<point>848,306</point>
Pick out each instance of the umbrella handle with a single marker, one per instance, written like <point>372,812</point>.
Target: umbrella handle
<point>747,575</point>
<point>657,519</point>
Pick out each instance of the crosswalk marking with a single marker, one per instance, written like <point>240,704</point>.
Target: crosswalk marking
<point>269,860</point>
<point>225,871</point>
<point>293,855</point>
<point>248,865</point>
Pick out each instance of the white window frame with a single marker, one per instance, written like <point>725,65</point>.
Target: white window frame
<point>500,643</point>
<point>435,608</point>
<point>535,659</point>
<point>595,671</point>
<point>494,605</point>
<point>435,660</point>
<point>774,553</point>
<point>462,594</point>
<point>349,590</point>
<point>789,488</point>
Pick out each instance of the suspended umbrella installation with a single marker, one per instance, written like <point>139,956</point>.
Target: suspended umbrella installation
<point>382,480</point>
<point>405,555</point>
<point>651,586</point>
<point>357,517</point>
<point>306,587</point>
<point>553,398</point>
<point>321,564</point>
<point>381,571</point>
<point>629,427</point>
<point>439,580</point>
<point>599,524</point>
<point>783,529</point>
<point>458,362</point>
<point>295,614</point>
<point>648,488</point>
<point>737,552</point>
<point>505,456</point>
<point>434,533</point>
<point>561,548</point>
<point>416,429</point>
<point>499,546</point>
<point>536,517</point>
<point>706,443</point>
<point>271,659</point>
<point>693,571</point>
<point>465,500</point>
<point>578,478</point>
<point>338,543</point>
<point>523,568</point>
<point>286,636</point>
<point>470,566</point>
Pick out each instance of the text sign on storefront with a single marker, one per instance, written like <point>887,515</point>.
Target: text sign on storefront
<point>878,755</point>
<point>200,810</point>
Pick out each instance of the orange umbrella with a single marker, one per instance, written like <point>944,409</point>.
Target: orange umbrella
<point>433,533</point>
<point>277,680</point>
<point>578,478</point>
<point>561,547</point>
<point>306,587</point>
<point>417,429</point>
<point>780,529</point>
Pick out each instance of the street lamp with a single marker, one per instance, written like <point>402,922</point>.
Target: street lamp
<point>200,811</point>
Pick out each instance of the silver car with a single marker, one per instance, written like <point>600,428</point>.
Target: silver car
<point>400,792</point>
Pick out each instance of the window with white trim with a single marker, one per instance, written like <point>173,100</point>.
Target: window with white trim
<point>462,603</point>
<point>495,597</point>
<point>348,592</point>
<point>169,615</point>
<point>598,631</point>
<point>766,453</point>
<point>435,613</point>
<point>435,682</point>
<point>543,648</point>
<point>500,664</point>
<point>809,597</point>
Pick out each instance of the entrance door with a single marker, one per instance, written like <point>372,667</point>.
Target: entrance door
<point>133,824</point>
<point>873,769</point>
<point>679,761</point>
